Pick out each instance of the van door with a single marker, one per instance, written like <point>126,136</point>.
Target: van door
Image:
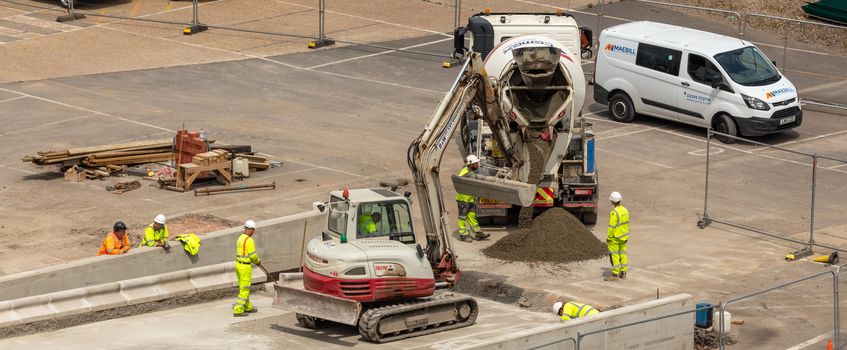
<point>698,98</point>
<point>658,82</point>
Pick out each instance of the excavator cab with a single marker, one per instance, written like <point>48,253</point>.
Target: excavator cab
<point>369,214</point>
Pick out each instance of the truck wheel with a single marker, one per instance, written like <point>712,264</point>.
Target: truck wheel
<point>589,218</point>
<point>621,108</point>
<point>724,124</point>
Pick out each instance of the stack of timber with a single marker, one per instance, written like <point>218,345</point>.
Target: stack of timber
<point>138,152</point>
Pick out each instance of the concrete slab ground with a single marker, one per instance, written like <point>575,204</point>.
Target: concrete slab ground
<point>211,326</point>
<point>338,118</point>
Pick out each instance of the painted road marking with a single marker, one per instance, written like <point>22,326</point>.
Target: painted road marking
<point>378,53</point>
<point>801,140</point>
<point>86,110</point>
<point>702,152</point>
<point>12,99</point>
<point>369,19</point>
<point>810,342</point>
<point>636,159</point>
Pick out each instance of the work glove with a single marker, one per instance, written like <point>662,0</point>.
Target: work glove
<point>166,246</point>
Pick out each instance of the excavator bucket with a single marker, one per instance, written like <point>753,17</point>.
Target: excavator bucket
<point>509,191</point>
<point>292,297</point>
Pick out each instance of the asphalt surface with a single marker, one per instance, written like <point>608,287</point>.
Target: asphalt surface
<point>344,117</point>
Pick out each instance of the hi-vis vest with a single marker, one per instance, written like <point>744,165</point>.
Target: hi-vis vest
<point>573,310</point>
<point>619,223</point>
<point>245,250</point>
<point>464,197</point>
<point>190,242</point>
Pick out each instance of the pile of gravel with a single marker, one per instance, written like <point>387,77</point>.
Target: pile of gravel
<point>554,236</point>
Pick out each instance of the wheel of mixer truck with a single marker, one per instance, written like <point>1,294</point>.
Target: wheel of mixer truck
<point>589,218</point>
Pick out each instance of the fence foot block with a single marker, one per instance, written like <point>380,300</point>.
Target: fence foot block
<point>321,43</point>
<point>70,17</point>
<point>802,253</point>
<point>194,29</point>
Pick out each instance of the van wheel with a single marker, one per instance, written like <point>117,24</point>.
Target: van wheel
<point>725,125</point>
<point>621,109</point>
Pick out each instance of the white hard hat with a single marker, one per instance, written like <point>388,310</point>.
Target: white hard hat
<point>471,159</point>
<point>556,307</point>
<point>615,197</point>
<point>250,224</point>
<point>159,219</point>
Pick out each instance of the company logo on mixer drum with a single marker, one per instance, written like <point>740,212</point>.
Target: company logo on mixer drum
<point>529,42</point>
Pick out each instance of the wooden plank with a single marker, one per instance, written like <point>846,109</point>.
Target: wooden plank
<point>119,146</point>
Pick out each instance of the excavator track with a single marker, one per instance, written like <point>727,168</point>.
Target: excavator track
<point>416,318</point>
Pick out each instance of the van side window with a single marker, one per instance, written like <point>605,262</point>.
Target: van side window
<point>658,58</point>
<point>702,70</point>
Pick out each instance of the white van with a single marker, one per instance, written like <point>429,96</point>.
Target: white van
<point>694,77</point>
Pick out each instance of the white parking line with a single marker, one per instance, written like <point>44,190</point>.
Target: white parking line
<point>86,110</point>
<point>801,140</point>
<point>626,133</point>
<point>315,165</point>
<point>810,342</point>
<point>636,159</point>
<point>377,54</point>
<point>369,19</point>
<point>12,99</point>
<point>263,58</point>
<point>12,132</point>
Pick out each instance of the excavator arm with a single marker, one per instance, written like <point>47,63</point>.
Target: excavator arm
<point>426,152</point>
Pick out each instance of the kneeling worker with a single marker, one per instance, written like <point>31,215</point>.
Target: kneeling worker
<point>572,310</point>
<point>116,242</point>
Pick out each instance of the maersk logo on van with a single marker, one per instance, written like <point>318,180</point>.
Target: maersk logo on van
<point>777,92</point>
<point>617,48</point>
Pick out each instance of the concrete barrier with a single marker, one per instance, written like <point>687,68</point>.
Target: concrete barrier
<point>119,294</point>
<point>675,332</point>
<point>278,243</point>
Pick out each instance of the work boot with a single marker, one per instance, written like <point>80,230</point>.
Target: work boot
<point>466,238</point>
<point>481,235</point>
<point>253,310</point>
<point>612,278</point>
<point>243,314</point>
<point>623,275</point>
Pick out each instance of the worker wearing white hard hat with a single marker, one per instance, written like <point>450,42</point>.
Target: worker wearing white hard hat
<point>467,206</point>
<point>245,257</point>
<point>572,310</point>
<point>156,234</point>
<point>617,236</point>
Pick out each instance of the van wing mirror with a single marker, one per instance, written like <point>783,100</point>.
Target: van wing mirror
<point>586,39</point>
<point>459,49</point>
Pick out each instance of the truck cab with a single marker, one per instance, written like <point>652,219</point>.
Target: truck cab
<point>368,251</point>
<point>488,29</point>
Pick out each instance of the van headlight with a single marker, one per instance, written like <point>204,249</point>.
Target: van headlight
<point>755,103</point>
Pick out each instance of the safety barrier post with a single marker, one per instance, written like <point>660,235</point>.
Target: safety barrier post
<point>458,16</point>
<point>812,214</point>
<point>196,26</point>
<point>71,16</point>
<point>322,40</point>
<point>704,221</point>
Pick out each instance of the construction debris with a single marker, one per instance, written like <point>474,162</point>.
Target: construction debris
<point>554,236</point>
<point>122,187</point>
<point>707,340</point>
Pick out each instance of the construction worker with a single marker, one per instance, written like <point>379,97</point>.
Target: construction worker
<point>572,310</point>
<point>617,236</point>
<point>116,242</point>
<point>467,206</point>
<point>156,234</point>
<point>245,257</point>
<point>367,223</point>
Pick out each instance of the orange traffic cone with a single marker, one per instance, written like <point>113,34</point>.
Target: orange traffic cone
<point>829,345</point>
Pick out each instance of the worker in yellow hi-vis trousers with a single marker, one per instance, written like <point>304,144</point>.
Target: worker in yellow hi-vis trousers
<point>245,257</point>
<point>617,237</point>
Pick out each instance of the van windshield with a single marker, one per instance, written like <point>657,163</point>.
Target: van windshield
<point>747,66</point>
